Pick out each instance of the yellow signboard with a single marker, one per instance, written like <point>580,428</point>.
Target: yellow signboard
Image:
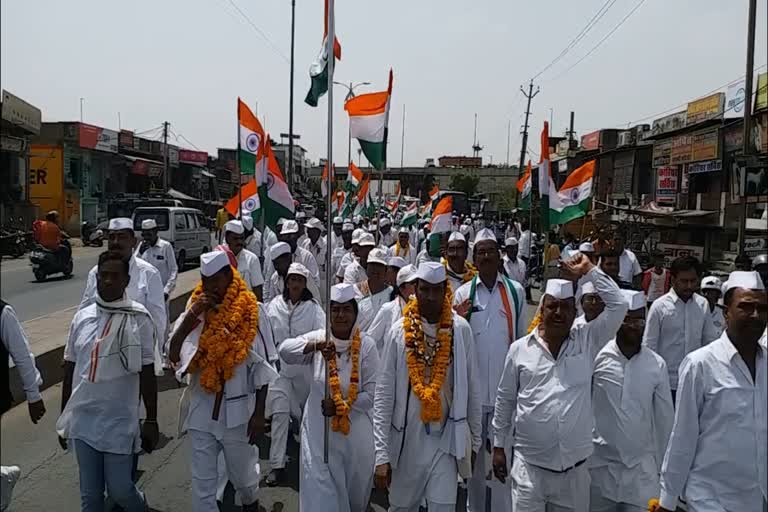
<point>709,107</point>
<point>761,101</point>
<point>46,177</point>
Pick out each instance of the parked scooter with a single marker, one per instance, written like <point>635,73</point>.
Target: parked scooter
<point>12,244</point>
<point>46,262</point>
<point>92,235</point>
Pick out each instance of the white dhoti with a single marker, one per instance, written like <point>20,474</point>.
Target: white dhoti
<point>535,489</point>
<point>241,459</point>
<point>483,484</point>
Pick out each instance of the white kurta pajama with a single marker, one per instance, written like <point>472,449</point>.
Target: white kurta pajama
<point>370,303</point>
<point>288,394</point>
<point>161,256</point>
<point>386,316</point>
<point>407,253</point>
<point>318,251</point>
<point>354,272</point>
<point>492,339</point>
<point>633,414</point>
<point>425,458</point>
<point>515,269</point>
<point>209,438</point>
<point>345,483</point>
<point>546,405</point>
<point>304,257</point>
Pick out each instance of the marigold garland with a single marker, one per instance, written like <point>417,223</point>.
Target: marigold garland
<point>227,335</point>
<point>405,249</point>
<point>470,271</point>
<point>340,422</point>
<point>415,344</point>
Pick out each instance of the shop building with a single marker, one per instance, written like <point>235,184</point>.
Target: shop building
<point>20,121</point>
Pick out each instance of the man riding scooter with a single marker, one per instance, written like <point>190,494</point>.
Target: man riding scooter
<point>51,236</point>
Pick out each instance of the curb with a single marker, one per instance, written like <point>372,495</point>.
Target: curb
<point>49,363</point>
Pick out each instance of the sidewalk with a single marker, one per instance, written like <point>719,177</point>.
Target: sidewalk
<point>48,336</point>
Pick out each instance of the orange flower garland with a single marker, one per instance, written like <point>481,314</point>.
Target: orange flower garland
<point>340,422</point>
<point>415,344</point>
<point>399,248</point>
<point>470,271</point>
<point>227,335</point>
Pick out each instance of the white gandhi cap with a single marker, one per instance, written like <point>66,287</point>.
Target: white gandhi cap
<point>432,272</point>
<point>510,241</point>
<point>366,240</point>
<point>376,255</point>
<point>634,299</point>
<point>247,222</point>
<point>456,236</point>
<point>289,227</point>
<point>742,279</point>
<point>148,224</point>
<point>559,289</point>
<point>120,223</point>
<point>407,274</point>
<point>298,269</point>
<point>588,288</point>
<point>394,261</point>
<point>485,234</point>
<point>212,262</point>
<point>278,250</point>
<point>343,292</point>
<point>586,247</point>
<point>235,226</point>
<point>711,283</point>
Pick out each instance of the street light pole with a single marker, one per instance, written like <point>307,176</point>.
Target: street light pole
<point>290,172</point>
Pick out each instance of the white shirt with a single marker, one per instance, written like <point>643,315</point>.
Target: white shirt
<point>387,239</point>
<point>273,286</point>
<point>162,257</point>
<point>340,260</point>
<point>424,256</point>
<point>145,287</point>
<point>16,343</point>
<point>489,326</point>
<point>718,321</point>
<point>633,413</point>
<point>369,304</point>
<point>250,269</point>
<point>657,284</point>
<point>105,414</point>
<point>407,253</point>
<point>675,328</point>
<point>355,273</point>
<point>629,267</point>
<point>515,269</point>
<point>253,243</point>
<point>318,251</point>
<point>546,403</point>
<point>386,316</point>
<point>302,256</point>
<point>717,450</point>
<point>524,244</point>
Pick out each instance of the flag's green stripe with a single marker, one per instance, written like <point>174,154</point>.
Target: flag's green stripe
<point>524,203</point>
<point>374,152</point>
<point>272,210</point>
<point>569,212</point>
<point>318,87</point>
<point>247,163</point>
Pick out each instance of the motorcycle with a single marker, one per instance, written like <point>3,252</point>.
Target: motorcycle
<point>46,262</point>
<point>12,244</point>
<point>92,235</point>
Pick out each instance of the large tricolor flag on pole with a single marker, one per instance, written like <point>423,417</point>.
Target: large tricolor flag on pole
<point>411,215</point>
<point>524,188</point>
<point>369,118</point>
<point>276,199</point>
<point>318,70</point>
<point>545,179</point>
<point>573,199</point>
<point>250,200</point>
<point>250,139</point>
<point>354,178</point>
<point>362,205</point>
<point>434,193</point>
<point>441,217</point>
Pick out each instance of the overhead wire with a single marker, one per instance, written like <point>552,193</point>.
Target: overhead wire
<point>259,31</point>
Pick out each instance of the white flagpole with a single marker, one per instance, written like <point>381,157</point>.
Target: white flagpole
<point>330,38</point>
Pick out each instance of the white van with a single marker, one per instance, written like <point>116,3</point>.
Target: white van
<point>184,228</point>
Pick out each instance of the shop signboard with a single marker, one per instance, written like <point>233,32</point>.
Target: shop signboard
<point>20,113</point>
<point>98,138</point>
<point>734,100</point>
<point>125,139</point>
<point>140,168</point>
<point>590,140</point>
<point>155,170</point>
<point>705,145</point>
<point>173,156</point>
<point>706,166</point>
<point>709,107</point>
<point>681,149</point>
<point>666,185</point>
<point>733,138</point>
<point>187,156</point>
<point>761,99</point>
<point>684,180</point>
<point>674,251</point>
<point>668,123</point>
<point>755,245</point>
<point>13,144</point>
<point>661,153</point>
<point>46,176</point>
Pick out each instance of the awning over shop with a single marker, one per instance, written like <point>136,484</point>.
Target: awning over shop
<point>182,196</point>
<point>654,210</point>
<point>208,174</point>
<point>144,166</point>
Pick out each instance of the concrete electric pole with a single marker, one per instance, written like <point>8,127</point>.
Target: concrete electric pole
<point>530,95</point>
<point>166,169</point>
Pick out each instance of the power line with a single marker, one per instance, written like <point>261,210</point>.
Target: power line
<point>260,32</point>
<point>584,31</point>
<point>599,43</point>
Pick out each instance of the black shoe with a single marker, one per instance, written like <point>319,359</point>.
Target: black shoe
<point>274,477</point>
<point>253,507</point>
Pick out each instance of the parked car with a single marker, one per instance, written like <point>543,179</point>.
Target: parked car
<point>185,228</point>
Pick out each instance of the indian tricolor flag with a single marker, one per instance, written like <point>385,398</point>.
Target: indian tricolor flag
<point>434,193</point>
<point>545,179</point>
<point>318,70</point>
<point>368,120</point>
<point>324,179</point>
<point>524,188</point>
<point>250,196</point>
<point>441,217</point>
<point>411,215</point>
<point>251,139</point>
<point>573,199</point>
<point>354,178</point>
<point>276,199</point>
<point>362,204</point>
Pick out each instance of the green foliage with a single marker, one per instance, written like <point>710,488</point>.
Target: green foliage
<point>464,183</point>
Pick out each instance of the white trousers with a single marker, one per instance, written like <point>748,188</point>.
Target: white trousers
<point>431,507</point>
<point>597,503</point>
<point>483,482</point>
<point>241,458</point>
<point>285,398</point>
<point>537,490</point>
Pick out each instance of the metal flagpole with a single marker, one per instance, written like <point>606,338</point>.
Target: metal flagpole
<point>329,221</point>
<point>239,170</point>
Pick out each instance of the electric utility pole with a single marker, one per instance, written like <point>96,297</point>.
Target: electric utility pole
<point>166,170</point>
<point>530,95</point>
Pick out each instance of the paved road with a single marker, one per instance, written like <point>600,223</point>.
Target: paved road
<point>32,299</point>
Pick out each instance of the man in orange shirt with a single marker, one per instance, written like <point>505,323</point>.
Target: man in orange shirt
<point>50,233</point>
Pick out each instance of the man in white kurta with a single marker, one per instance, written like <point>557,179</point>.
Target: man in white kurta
<point>457,268</point>
<point>145,285</point>
<point>514,266</point>
<point>387,236</point>
<point>280,255</point>
<point>544,399</point>
<point>344,483</point>
<point>374,292</point>
<point>716,457</point>
<point>712,290</point>
<point>316,245</point>
<point>633,413</point>
<point>289,233</point>
<point>253,238</point>
<point>240,418</point>
<point>336,241</point>
<point>403,247</point>
<point>354,272</point>
<point>493,305</point>
<point>343,256</point>
<point>159,253</point>
<point>392,311</point>
<point>286,396</point>
<point>679,321</point>
<point>421,461</point>
<point>247,262</point>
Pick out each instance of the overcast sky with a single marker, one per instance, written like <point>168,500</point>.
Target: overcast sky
<point>186,61</point>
